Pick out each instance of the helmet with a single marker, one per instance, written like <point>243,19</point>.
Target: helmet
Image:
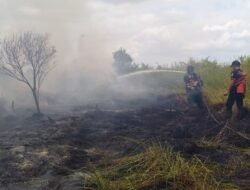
<point>190,68</point>
<point>235,63</point>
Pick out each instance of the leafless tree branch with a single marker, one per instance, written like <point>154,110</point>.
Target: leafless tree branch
<point>27,58</point>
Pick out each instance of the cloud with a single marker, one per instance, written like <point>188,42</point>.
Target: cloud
<point>241,35</point>
<point>140,26</point>
<point>148,18</point>
<point>123,1</point>
<point>28,10</point>
<point>223,27</point>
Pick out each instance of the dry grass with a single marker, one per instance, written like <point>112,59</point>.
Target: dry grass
<point>156,168</point>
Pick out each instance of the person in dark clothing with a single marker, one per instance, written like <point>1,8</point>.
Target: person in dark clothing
<point>236,90</point>
<point>193,85</point>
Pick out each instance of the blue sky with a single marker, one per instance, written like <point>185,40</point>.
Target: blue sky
<point>152,31</point>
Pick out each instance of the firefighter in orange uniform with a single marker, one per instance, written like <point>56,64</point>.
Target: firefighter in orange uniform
<point>236,90</point>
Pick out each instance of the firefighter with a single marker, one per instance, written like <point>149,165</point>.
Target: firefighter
<point>193,85</point>
<point>236,90</point>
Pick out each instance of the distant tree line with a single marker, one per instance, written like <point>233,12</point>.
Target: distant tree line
<point>124,64</point>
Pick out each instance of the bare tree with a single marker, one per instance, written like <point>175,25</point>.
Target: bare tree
<point>27,58</point>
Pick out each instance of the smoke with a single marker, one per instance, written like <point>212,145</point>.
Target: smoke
<point>83,61</point>
<point>83,71</point>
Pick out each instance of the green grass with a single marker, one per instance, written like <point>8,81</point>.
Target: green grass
<point>216,77</point>
<point>156,168</point>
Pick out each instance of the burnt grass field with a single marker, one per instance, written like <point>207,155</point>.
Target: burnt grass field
<point>60,151</point>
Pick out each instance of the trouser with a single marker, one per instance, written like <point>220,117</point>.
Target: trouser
<point>234,97</point>
<point>196,98</point>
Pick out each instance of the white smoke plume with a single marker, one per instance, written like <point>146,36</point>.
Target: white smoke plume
<point>83,60</point>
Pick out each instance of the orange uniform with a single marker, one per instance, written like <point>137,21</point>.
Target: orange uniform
<point>238,78</point>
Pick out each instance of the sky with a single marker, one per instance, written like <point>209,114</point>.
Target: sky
<point>152,31</point>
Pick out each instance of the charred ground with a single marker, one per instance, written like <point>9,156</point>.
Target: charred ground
<point>60,151</point>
